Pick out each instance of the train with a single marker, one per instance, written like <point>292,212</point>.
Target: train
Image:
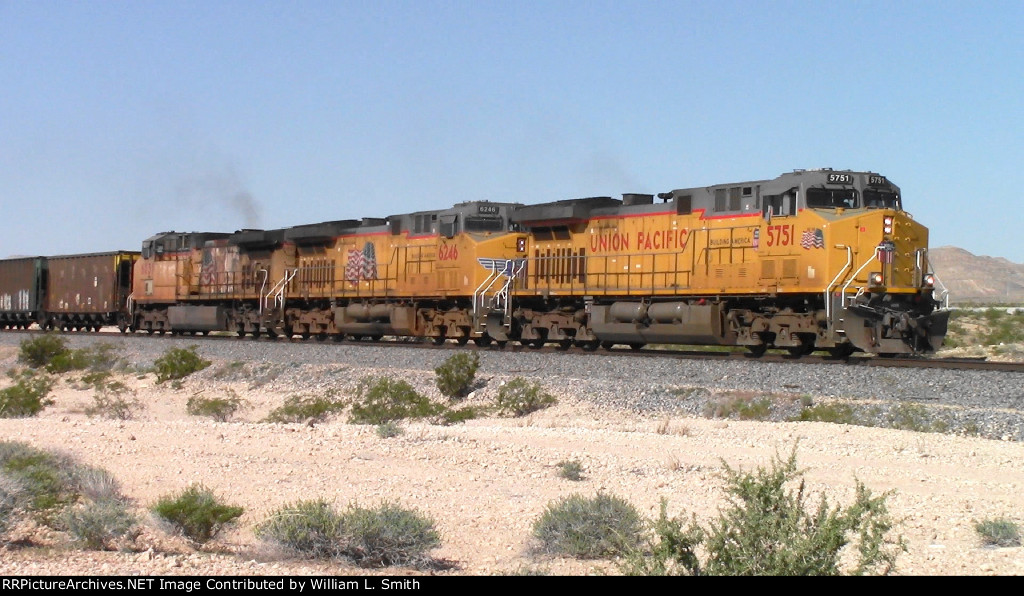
<point>816,259</point>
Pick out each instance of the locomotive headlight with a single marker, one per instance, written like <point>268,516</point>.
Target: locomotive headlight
<point>875,279</point>
<point>887,224</point>
<point>521,245</point>
<point>929,281</point>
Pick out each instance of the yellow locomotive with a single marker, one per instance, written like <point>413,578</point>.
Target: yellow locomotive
<point>817,259</point>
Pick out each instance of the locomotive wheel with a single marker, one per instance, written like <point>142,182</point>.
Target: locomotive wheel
<point>338,337</point>
<point>841,351</point>
<point>321,336</point>
<point>636,347</point>
<point>439,340</point>
<point>607,345</point>
<point>483,341</point>
<point>563,345</point>
<point>758,351</point>
<point>535,344</point>
<point>591,345</point>
<point>801,350</point>
<point>305,335</point>
<point>462,340</point>
<point>376,337</point>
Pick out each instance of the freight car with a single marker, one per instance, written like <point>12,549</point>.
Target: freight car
<point>69,292</point>
<point>817,259</point>
<point>22,291</point>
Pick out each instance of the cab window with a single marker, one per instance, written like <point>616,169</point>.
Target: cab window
<point>831,198</point>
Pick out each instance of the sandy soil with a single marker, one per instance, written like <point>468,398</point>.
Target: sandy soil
<point>486,481</point>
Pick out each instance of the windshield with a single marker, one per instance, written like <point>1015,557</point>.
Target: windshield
<point>881,199</point>
<point>831,198</point>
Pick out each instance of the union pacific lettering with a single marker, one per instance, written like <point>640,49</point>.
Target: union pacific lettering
<point>669,239</point>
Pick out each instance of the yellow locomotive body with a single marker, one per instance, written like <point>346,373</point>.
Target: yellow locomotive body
<point>816,259</point>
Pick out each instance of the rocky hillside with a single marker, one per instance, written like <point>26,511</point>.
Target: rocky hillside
<point>972,278</point>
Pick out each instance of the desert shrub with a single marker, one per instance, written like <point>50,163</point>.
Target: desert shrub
<point>602,526</point>
<point>769,530</point>
<point>27,396</point>
<point>46,483</point>
<point>369,537</point>
<point>570,470</point>
<point>519,397</point>
<point>178,363</point>
<point>68,360</point>
<point>386,535</point>
<point>380,400</point>
<point>196,513</point>
<point>220,409</point>
<point>389,430</point>
<point>915,417</point>
<point>455,416</point>
<point>100,525</point>
<point>455,376</point>
<point>10,498</point>
<point>998,532</point>
<point>305,409</point>
<point>40,350</point>
<point>836,413</point>
<point>743,407</point>
<point>308,528</point>
<point>112,401</point>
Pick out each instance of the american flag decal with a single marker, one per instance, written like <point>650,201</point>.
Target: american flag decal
<point>885,252</point>
<point>361,264</point>
<point>812,239</point>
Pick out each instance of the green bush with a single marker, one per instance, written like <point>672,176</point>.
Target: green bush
<point>111,400</point>
<point>570,470</point>
<point>11,495</point>
<point>196,513</point>
<point>220,409</point>
<point>308,528</point>
<point>27,396</point>
<point>519,397</point>
<point>386,535</point>
<point>769,530</point>
<point>45,483</point>
<point>68,360</point>
<point>450,416</point>
<point>455,376</point>
<point>380,400</point>
<point>305,409</point>
<point>915,417</point>
<point>389,430</point>
<point>40,350</point>
<point>743,407</point>
<point>178,363</point>
<point>100,525</point>
<point>382,536</point>
<point>603,526</point>
<point>998,532</point>
<point>836,413</point>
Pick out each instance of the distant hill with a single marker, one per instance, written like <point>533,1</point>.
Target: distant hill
<point>972,278</point>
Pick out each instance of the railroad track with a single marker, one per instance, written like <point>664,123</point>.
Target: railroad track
<point>679,354</point>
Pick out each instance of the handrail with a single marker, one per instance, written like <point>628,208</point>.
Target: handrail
<point>835,280</point>
<point>873,256</point>
<point>266,275</point>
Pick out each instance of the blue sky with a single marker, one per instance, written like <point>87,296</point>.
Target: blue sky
<point>119,119</point>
